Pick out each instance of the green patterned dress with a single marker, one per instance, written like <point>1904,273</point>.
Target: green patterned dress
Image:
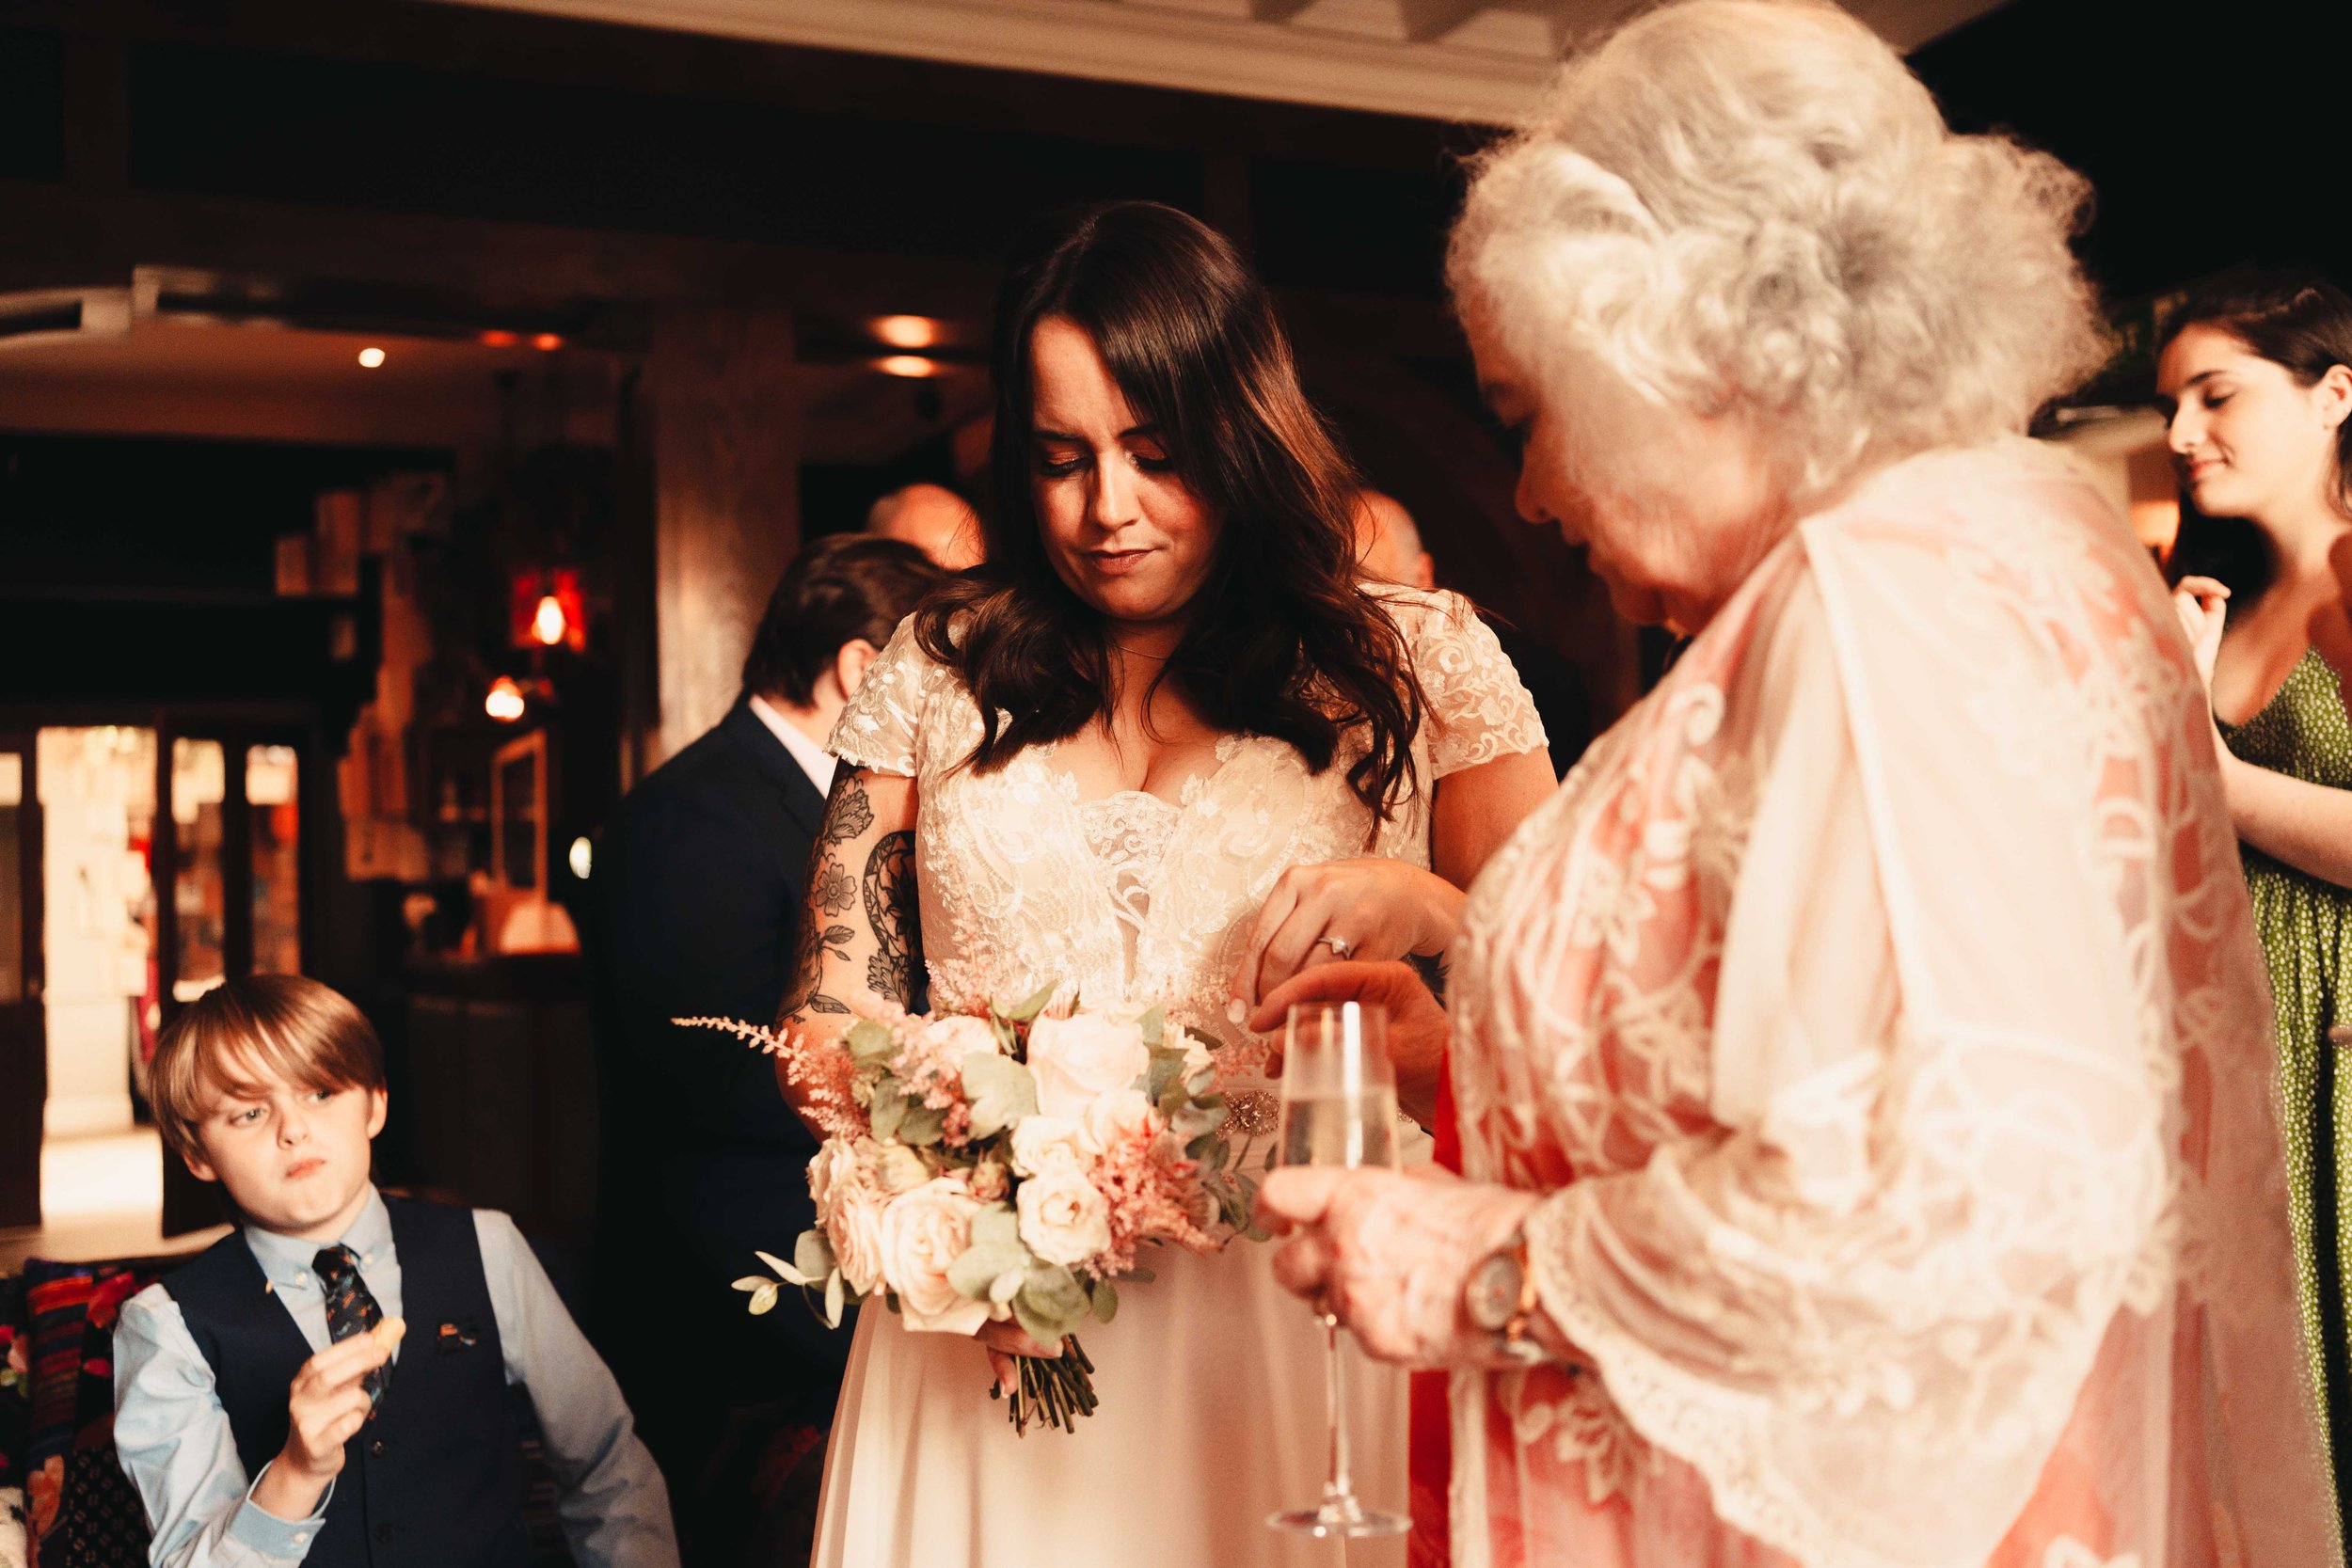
<point>2306,930</point>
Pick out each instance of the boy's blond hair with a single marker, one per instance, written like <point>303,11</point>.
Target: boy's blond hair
<point>245,1031</point>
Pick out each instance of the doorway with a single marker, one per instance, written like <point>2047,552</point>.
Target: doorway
<point>113,916</point>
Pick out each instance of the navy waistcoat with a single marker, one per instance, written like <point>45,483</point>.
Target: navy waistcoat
<point>434,1479</point>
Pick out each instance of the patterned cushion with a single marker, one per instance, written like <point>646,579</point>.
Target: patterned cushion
<point>83,1509</point>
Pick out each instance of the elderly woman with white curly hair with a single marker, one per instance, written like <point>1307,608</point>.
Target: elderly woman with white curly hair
<point>1862,1062</point>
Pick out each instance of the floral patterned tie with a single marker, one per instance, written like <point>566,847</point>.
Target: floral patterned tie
<point>350,1307</point>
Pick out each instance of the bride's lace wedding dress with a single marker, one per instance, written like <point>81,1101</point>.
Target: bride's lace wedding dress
<point>1211,1376</point>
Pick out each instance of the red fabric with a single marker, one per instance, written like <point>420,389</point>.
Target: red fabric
<point>1429,1461</point>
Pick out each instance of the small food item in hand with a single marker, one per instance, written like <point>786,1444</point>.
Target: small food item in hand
<point>389,1332</point>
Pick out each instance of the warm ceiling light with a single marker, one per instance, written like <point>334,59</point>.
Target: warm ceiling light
<point>544,341</point>
<point>907,364</point>
<point>505,700</point>
<point>547,622</point>
<point>370,358</point>
<point>583,858</point>
<point>499,337</point>
<point>907,331</point>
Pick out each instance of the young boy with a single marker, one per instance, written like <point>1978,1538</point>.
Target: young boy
<point>260,1405</point>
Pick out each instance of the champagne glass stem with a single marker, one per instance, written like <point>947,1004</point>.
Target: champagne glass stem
<point>1338,1491</point>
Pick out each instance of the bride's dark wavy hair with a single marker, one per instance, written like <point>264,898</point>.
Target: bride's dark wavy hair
<point>1281,642</point>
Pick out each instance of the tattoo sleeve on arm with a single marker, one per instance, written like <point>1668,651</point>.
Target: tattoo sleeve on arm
<point>893,909</point>
<point>849,813</point>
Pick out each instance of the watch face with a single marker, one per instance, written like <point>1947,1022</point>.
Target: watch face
<point>1493,1292</point>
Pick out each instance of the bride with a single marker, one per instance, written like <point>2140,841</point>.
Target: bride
<point>1162,749</point>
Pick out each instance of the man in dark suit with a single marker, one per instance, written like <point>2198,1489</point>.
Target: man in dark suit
<point>700,884</point>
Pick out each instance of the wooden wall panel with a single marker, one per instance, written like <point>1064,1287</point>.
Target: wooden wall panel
<point>726,499</point>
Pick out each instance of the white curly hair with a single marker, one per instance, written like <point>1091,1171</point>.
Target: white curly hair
<point>1752,207</point>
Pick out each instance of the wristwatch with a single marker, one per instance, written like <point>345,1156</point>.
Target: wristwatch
<point>1499,1298</point>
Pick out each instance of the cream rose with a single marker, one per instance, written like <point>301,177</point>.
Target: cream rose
<point>1076,1059</point>
<point>1039,1141</point>
<point>1120,1117</point>
<point>923,1231</point>
<point>836,1169</point>
<point>1064,1218</point>
<point>855,1231</point>
<point>949,1040</point>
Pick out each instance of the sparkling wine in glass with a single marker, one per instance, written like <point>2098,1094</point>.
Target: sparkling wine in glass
<point>1339,1108</point>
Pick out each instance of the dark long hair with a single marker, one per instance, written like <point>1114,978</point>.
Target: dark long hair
<point>1280,641</point>
<point>2300,323</point>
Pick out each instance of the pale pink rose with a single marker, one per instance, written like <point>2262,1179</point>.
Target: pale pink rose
<point>1076,1059</point>
<point>1039,1141</point>
<point>1122,1116</point>
<point>924,1231</point>
<point>856,1232</point>
<point>1064,1218</point>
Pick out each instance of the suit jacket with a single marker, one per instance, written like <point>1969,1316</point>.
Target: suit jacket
<point>700,883</point>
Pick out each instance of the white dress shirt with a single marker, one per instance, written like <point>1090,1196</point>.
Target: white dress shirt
<point>172,1431</point>
<point>814,759</point>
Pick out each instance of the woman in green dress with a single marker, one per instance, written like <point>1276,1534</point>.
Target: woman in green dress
<point>2256,379</point>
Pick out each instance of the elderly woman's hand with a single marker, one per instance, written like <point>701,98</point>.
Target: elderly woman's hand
<point>1418,1030</point>
<point>1373,907</point>
<point>1390,1254</point>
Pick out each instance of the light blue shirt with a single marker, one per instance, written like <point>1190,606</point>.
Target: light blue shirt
<point>172,1431</point>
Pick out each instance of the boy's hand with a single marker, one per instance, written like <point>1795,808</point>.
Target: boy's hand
<point>326,1405</point>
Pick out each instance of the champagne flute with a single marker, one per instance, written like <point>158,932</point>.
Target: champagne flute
<point>1339,1108</point>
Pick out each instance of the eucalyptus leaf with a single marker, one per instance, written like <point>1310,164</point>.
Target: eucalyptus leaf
<point>764,1299</point>
<point>812,1255</point>
<point>1032,1004</point>
<point>921,1126</point>
<point>996,1223</point>
<point>1001,1090</point>
<point>1166,1071</point>
<point>836,1291</point>
<point>1139,1276</point>
<point>1050,1303</point>
<point>1105,1300</point>
<point>888,1110</point>
<point>1153,1026</point>
<point>754,1282</point>
<point>978,1267</point>
<point>870,1045</point>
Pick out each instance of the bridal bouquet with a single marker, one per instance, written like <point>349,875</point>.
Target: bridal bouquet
<point>1004,1165</point>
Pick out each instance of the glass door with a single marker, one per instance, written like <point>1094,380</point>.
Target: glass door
<point>233,857</point>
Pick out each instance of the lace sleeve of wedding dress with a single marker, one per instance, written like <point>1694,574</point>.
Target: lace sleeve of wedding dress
<point>878,726</point>
<point>1478,709</point>
<point>1941,1153</point>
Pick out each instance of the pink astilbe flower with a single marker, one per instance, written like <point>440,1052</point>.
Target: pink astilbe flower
<point>821,1070</point>
<point>1151,1199</point>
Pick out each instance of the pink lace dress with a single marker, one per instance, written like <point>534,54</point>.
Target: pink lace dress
<point>1879,1005</point>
